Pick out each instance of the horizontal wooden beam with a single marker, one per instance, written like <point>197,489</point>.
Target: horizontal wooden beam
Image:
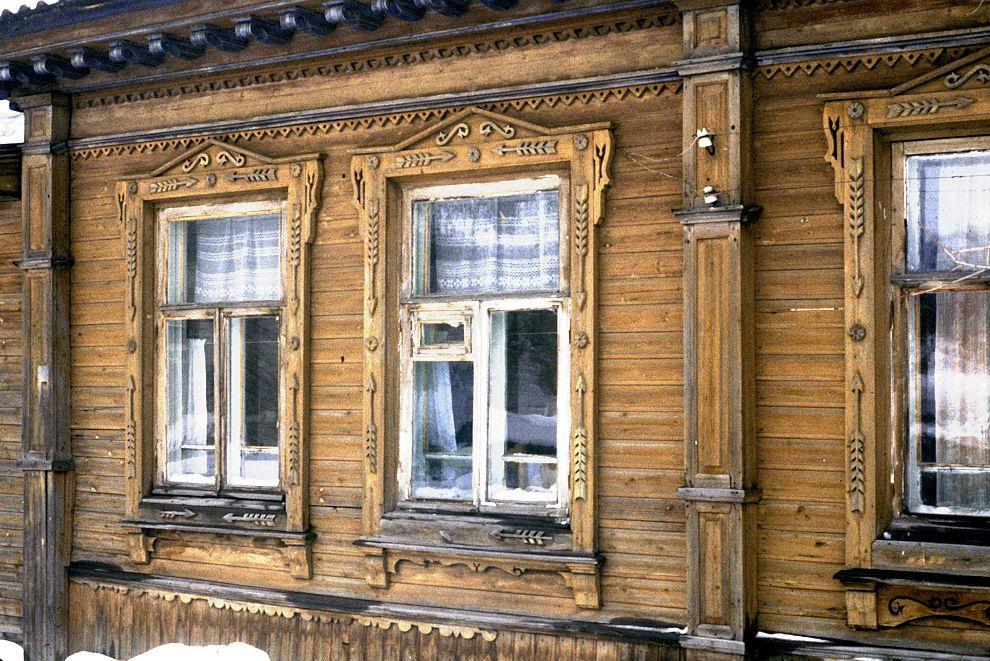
<point>632,629</point>
<point>575,86</point>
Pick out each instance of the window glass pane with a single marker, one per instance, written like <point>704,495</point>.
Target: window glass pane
<point>487,245</point>
<point>190,360</point>
<point>522,422</point>
<point>252,401</point>
<point>225,257</point>
<point>443,411</point>
<point>442,334</point>
<point>949,457</point>
<point>948,211</point>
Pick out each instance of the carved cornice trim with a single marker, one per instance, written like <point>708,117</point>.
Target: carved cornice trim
<point>287,612</point>
<point>657,18</point>
<point>413,118</point>
<point>930,56</point>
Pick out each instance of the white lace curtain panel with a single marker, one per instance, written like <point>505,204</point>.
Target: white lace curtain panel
<point>494,245</point>
<point>233,259</point>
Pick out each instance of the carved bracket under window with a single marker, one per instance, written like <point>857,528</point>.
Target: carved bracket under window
<point>891,598</point>
<point>581,573</point>
<point>477,145</point>
<point>217,172</point>
<point>953,98</point>
<point>293,551</point>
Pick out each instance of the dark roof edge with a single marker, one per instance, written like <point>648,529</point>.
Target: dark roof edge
<point>68,12</point>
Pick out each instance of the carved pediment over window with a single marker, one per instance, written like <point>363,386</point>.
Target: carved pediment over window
<point>476,137</point>
<point>213,155</point>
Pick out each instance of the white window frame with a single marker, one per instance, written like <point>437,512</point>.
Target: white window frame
<point>475,314</point>
<point>220,313</point>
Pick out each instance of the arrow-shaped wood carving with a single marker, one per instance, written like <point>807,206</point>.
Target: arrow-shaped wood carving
<point>170,515</point>
<point>857,448</point>
<point>926,106</point>
<point>263,520</point>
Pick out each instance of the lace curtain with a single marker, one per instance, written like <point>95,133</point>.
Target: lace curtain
<point>225,259</point>
<point>489,245</point>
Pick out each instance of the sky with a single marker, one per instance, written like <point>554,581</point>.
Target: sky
<point>11,127</point>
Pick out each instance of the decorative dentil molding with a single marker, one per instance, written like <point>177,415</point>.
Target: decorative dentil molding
<point>926,57</point>
<point>611,95</point>
<point>654,19</point>
<point>286,612</point>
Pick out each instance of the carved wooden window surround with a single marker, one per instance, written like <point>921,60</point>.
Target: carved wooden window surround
<point>899,567</point>
<point>276,519</point>
<point>470,147</point>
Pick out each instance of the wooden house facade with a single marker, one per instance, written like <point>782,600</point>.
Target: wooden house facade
<point>497,330</point>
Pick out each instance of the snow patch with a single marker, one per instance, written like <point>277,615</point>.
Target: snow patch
<point>11,128</point>
<point>11,651</point>
<point>173,651</point>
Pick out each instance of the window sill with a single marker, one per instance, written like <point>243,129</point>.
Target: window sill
<point>886,598</point>
<point>514,545</point>
<point>262,523</point>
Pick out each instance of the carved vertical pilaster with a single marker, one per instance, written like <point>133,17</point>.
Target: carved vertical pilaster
<point>46,451</point>
<point>719,386</point>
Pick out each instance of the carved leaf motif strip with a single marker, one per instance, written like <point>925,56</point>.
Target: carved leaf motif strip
<point>926,106</point>
<point>295,253</point>
<point>857,219</point>
<point>581,239</point>
<point>293,449</point>
<point>857,448</point>
<point>371,433</point>
<point>174,184</point>
<point>579,449</point>
<point>372,257</point>
<point>255,175</point>
<point>421,159</point>
<point>130,433</point>
<point>528,148</point>
<point>131,268</point>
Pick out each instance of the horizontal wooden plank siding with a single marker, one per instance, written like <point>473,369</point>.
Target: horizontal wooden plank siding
<point>640,426</point>
<point>126,621</point>
<point>11,480</point>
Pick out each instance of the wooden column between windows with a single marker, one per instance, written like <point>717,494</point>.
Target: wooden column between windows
<point>719,491</point>
<point>46,452</point>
